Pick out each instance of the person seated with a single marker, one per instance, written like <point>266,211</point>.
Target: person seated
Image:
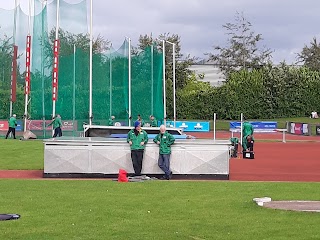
<point>314,114</point>
<point>111,121</point>
<point>139,119</point>
<point>153,121</point>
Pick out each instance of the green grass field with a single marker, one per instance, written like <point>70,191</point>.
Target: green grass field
<point>102,209</point>
<point>21,155</point>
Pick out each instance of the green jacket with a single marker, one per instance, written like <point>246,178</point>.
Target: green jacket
<point>137,140</point>
<point>247,129</point>
<point>154,123</point>
<point>165,142</point>
<point>56,123</point>
<point>13,122</point>
<point>110,122</point>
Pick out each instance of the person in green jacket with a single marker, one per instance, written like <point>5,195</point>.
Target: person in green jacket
<point>140,120</point>
<point>153,121</point>
<point>57,124</point>
<point>12,126</point>
<point>137,138</point>
<point>111,121</point>
<point>164,140</point>
<point>247,136</point>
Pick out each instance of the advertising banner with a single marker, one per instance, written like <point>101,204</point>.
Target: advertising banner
<point>19,127</point>
<point>257,126</point>
<point>190,126</point>
<point>69,125</point>
<point>38,125</point>
<point>299,128</point>
<point>4,125</point>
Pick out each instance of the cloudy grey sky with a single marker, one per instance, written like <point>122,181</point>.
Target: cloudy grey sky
<point>285,25</point>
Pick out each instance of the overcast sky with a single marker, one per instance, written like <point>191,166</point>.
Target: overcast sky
<point>285,25</point>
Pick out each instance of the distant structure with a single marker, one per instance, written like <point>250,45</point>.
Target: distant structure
<point>208,71</point>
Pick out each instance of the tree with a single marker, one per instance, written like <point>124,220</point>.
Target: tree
<point>67,42</point>
<point>242,50</point>
<point>6,52</point>
<point>310,55</point>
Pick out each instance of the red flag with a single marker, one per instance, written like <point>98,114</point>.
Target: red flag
<point>28,60</point>
<point>55,70</point>
<point>14,74</point>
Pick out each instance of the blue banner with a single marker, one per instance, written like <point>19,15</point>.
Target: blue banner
<point>257,126</point>
<point>191,126</point>
<point>19,127</point>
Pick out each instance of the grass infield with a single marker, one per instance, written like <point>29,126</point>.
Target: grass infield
<point>102,209</point>
<point>21,155</point>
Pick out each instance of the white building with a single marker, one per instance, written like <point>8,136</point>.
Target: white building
<point>208,72</point>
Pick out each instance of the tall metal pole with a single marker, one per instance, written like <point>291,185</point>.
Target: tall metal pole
<point>14,42</point>
<point>174,81</point>
<point>27,70</point>
<point>214,125</point>
<point>57,37</point>
<point>43,3</point>
<point>110,90</point>
<point>90,67</point>
<point>129,78</point>
<point>164,82</point>
<point>241,126</point>
<point>174,85</point>
<point>74,89</point>
<point>152,91</point>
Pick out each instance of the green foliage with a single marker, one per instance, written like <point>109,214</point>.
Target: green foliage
<point>270,92</point>
<point>243,50</point>
<point>67,42</point>
<point>310,55</point>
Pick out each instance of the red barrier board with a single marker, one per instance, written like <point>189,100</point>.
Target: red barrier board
<point>4,126</point>
<point>37,125</point>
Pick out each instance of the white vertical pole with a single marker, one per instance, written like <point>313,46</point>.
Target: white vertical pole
<point>174,83</point>
<point>43,4</point>
<point>91,59</point>
<point>27,95</point>
<point>129,78</point>
<point>214,125</point>
<point>74,89</point>
<point>57,37</point>
<point>152,93</point>
<point>14,42</point>
<point>164,82</point>
<point>241,134</point>
<point>110,90</point>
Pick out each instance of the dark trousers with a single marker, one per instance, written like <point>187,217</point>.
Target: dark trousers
<point>13,130</point>
<point>57,132</point>
<point>164,164</point>
<point>250,145</point>
<point>137,157</point>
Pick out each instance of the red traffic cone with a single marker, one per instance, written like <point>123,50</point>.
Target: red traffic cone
<point>122,177</point>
